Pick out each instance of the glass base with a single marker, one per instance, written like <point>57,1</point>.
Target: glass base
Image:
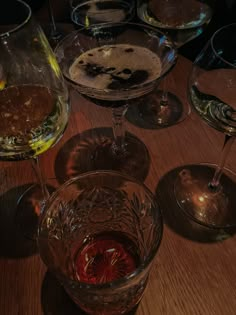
<point>150,112</point>
<point>215,209</point>
<point>28,210</point>
<point>56,301</point>
<point>92,150</point>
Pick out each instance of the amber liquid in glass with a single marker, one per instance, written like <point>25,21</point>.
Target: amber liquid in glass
<point>32,119</point>
<point>106,257</point>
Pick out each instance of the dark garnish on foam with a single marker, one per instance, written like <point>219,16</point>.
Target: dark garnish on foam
<point>117,82</point>
<point>137,77</point>
<point>92,69</point>
<point>128,50</point>
<point>110,69</point>
<point>127,71</point>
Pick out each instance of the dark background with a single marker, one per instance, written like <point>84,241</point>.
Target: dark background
<point>224,13</point>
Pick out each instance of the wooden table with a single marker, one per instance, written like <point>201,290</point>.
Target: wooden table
<point>194,272</point>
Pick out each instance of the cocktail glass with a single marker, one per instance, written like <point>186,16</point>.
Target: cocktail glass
<point>114,65</point>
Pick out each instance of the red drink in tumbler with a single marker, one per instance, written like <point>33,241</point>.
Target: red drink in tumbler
<point>106,257</point>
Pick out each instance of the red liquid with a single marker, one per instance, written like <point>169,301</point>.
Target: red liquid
<point>107,257</point>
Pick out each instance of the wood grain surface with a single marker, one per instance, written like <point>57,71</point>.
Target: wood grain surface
<point>194,272</point>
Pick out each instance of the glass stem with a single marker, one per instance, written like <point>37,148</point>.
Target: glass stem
<point>118,114</point>
<point>54,31</point>
<point>40,178</point>
<point>215,182</point>
<point>164,96</point>
<point>51,16</point>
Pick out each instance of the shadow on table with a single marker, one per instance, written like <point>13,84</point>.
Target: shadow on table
<point>175,218</point>
<point>148,114</point>
<point>13,243</point>
<point>55,300</point>
<point>91,150</point>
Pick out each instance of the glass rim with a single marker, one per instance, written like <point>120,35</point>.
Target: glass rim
<point>19,26</point>
<point>87,1</point>
<point>213,46</point>
<point>147,261</point>
<point>113,93</point>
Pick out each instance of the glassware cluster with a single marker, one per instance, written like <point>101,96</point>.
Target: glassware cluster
<point>100,231</point>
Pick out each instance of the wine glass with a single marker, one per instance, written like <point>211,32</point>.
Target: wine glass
<point>182,21</point>
<point>99,234</point>
<point>33,96</point>
<point>114,64</point>
<point>85,13</point>
<point>203,192</point>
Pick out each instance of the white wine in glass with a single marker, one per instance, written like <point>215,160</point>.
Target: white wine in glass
<point>33,96</point>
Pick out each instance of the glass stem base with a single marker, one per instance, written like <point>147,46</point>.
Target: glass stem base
<point>212,206</point>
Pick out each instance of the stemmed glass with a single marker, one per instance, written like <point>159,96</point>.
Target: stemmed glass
<point>55,34</point>
<point>114,64</point>
<point>204,193</point>
<point>182,21</point>
<point>85,13</point>
<point>33,96</point>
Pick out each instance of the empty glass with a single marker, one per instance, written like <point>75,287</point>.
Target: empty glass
<point>206,193</point>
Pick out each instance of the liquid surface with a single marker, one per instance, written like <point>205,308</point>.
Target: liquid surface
<point>32,118</point>
<point>181,20</point>
<point>21,110</point>
<point>214,111</point>
<point>107,257</point>
<point>115,67</point>
<point>101,11</point>
<point>183,14</point>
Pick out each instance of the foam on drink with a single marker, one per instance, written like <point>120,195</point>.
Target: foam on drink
<point>114,67</point>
